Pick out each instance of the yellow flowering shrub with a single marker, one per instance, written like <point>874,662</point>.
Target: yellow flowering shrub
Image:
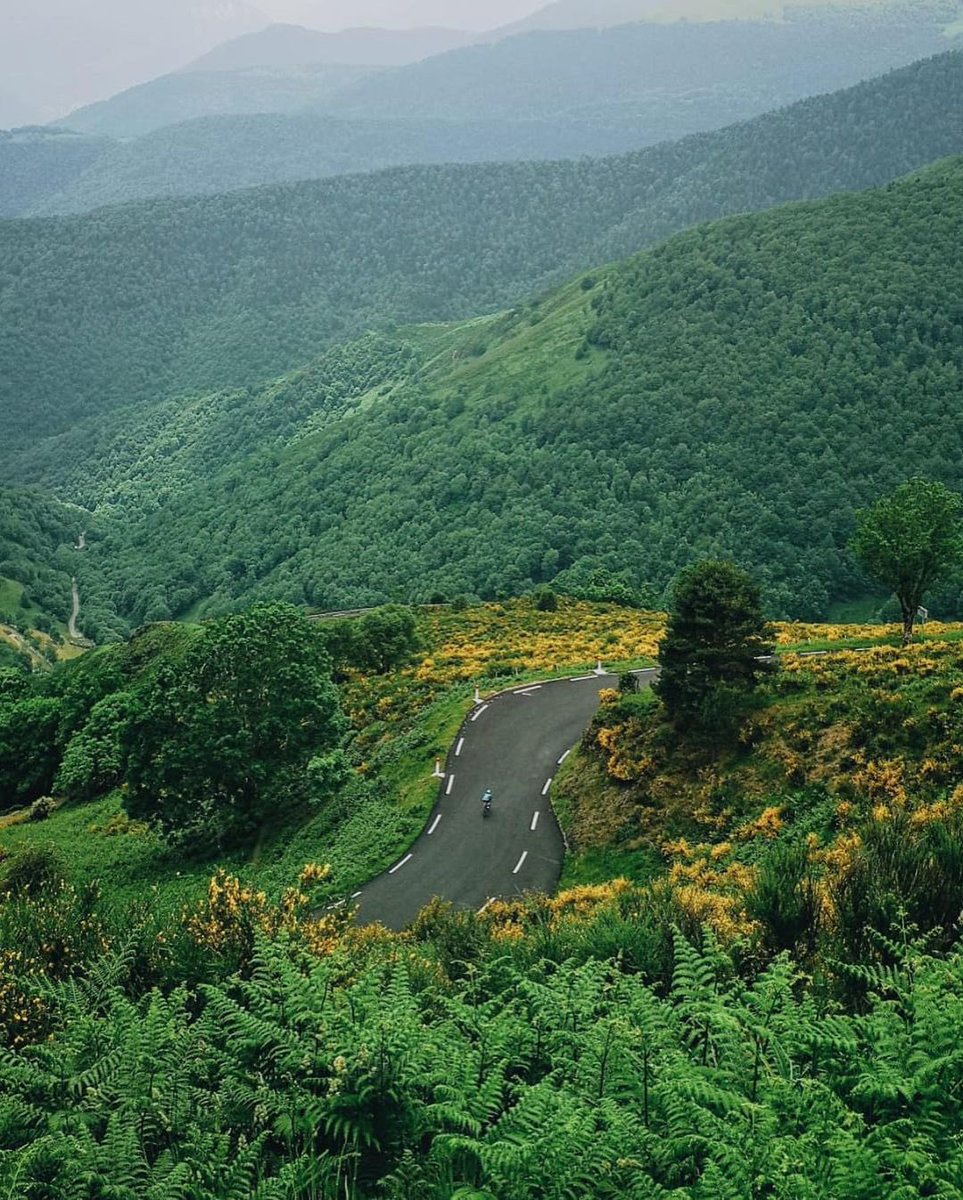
<point>227,921</point>
<point>24,1015</point>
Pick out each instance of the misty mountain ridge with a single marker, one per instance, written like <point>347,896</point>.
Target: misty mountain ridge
<point>57,54</point>
<point>601,14</point>
<point>637,85</point>
<point>664,80</point>
<point>226,153</point>
<point>295,45</point>
<point>130,305</point>
<point>186,95</point>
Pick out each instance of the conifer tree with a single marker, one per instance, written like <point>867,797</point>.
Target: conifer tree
<point>716,647</point>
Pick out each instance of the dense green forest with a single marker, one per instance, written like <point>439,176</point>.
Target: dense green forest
<point>665,80</point>
<point>132,305</point>
<point>882,128</point>
<point>736,392</point>
<point>36,536</point>
<point>220,154</point>
<point>36,163</point>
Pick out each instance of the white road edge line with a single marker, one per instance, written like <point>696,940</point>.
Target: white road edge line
<point>461,742</point>
<point>434,825</point>
<point>355,895</point>
<point>398,866</point>
<point>534,822</point>
<point>451,784</point>
<point>520,863</point>
<point>484,708</point>
<point>546,787</point>
<point>490,900</point>
<point>564,757</point>
<point>580,678</point>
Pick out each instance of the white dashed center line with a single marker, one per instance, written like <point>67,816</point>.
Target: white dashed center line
<point>534,822</point>
<point>520,863</point>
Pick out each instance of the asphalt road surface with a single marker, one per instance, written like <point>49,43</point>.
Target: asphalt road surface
<point>512,744</point>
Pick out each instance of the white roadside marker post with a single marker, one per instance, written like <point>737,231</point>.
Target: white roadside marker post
<point>438,772</point>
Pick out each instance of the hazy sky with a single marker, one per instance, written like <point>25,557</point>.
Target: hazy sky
<point>56,55</point>
<point>456,14</point>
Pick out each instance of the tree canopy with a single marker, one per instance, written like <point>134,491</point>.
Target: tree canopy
<point>908,540</point>
<point>714,650</point>
<point>221,741</point>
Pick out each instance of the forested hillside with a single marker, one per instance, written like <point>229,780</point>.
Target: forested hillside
<point>183,95</point>
<point>735,393</point>
<point>36,561</point>
<point>221,154</point>
<point>880,129</point>
<point>664,80</point>
<point>127,306</point>
<point>37,163</point>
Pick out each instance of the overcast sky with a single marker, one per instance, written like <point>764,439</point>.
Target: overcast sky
<point>456,14</point>
<point>56,55</point>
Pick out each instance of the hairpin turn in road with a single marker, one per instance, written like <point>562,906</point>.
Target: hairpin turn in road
<point>513,744</point>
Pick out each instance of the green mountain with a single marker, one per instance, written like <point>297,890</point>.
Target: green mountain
<point>37,559</point>
<point>39,162</point>
<point>118,310</point>
<point>737,391</point>
<point>183,95</point>
<point>219,154</point>
<point>662,80</point>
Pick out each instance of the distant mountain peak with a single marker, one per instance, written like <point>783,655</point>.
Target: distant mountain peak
<point>285,45</point>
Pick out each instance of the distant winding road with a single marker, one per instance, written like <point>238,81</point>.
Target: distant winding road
<point>513,744</point>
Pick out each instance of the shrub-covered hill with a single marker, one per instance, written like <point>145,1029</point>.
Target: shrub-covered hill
<point>840,797</point>
<point>776,1015</point>
<point>131,305</point>
<point>735,393</point>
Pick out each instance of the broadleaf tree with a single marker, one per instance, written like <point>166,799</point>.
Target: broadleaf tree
<point>908,540</point>
<point>221,742</point>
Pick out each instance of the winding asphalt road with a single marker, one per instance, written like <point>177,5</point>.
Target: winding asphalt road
<point>513,744</point>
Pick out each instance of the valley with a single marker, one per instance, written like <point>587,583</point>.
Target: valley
<point>564,412</point>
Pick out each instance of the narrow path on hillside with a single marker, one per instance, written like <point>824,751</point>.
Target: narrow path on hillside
<point>72,629</point>
<point>513,744</point>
